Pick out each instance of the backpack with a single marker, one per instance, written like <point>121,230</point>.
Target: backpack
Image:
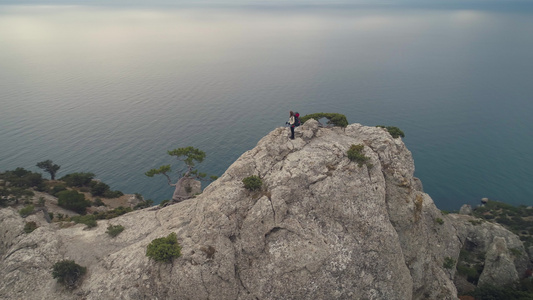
<point>296,119</point>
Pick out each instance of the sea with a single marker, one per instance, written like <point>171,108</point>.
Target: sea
<point>109,88</point>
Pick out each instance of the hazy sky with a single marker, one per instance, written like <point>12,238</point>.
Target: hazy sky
<point>272,2</point>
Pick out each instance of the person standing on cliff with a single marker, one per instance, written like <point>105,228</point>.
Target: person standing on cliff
<point>291,123</point>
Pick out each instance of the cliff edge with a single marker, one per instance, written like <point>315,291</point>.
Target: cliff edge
<point>322,227</point>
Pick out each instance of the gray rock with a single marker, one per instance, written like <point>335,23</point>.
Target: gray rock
<point>321,228</point>
<point>499,266</point>
<point>466,209</point>
<point>480,236</point>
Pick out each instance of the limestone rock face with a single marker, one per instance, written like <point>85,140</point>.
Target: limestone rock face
<point>499,267</point>
<point>466,209</point>
<point>321,228</point>
<point>506,258</point>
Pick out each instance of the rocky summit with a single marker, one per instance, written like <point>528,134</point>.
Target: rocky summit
<point>321,227</point>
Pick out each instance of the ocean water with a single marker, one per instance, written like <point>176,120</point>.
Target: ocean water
<point>109,90</point>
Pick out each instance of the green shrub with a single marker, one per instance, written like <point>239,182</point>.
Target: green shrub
<point>98,202</point>
<point>395,132</point>
<point>355,154</point>
<point>252,183</point>
<point>23,178</point>
<point>73,200</point>
<point>114,230</point>
<point>113,213</point>
<point>89,220</point>
<point>98,188</point>
<point>30,227</point>
<point>333,118</point>
<point>13,194</point>
<point>112,194</point>
<point>84,189</point>
<point>470,273</point>
<point>58,188</point>
<point>475,222</point>
<point>20,181</point>
<point>144,204</point>
<point>26,210</point>
<point>490,292</point>
<point>439,221</point>
<point>78,179</point>
<point>164,202</point>
<point>28,200</point>
<point>516,252</point>
<point>164,249</point>
<point>448,263</point>
<point>68,272</point>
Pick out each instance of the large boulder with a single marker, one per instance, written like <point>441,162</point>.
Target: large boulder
<point>321,227</point>
<point>499,266</point>
<point>505,259</point>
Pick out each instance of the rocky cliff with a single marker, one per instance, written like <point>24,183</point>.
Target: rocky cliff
<point>322,227</point>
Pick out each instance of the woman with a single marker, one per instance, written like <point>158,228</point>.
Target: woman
<point>291,123</point>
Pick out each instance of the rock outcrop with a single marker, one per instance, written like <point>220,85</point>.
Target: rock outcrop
<point>500,252</point>
<point>322,227</point>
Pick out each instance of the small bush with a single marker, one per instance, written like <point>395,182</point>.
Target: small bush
<point>475,222</point>
<point>27,210</point>
<point>490,292</point>
<point>119,211</point>
<point>113,194</point>
<point>68,272</point>
<point>144,204</point>
<point>84,189</point>
<point>89,220</point>
<point>355,154</point>
<point>164,202</point>
<point>448,263</point>
<point>28,200</point>
<point>439,221</point>
<point>23,178</point>
<point>471,274</point>
<point>394,131</point>
<point>164,249</point>
<point>98,202</point>
<point>30,227</point>
<point>58,188</point>
<point>516,252</point>
<point>252,183</point>
<point>114,230</point>
<point>99,188</point>
<point>72,200</point>
<point>333,118</point>
<point>78,179</point>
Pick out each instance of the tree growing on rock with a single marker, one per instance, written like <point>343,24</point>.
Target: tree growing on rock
<point>68,272</point>
<point>49,167</point>
<point>190,156</point>
<point>72,200</point>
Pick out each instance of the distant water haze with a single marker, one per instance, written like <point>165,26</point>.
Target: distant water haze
<point>109,90</point>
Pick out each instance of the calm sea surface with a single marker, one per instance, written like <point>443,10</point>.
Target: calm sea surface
<point>109,90</point>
